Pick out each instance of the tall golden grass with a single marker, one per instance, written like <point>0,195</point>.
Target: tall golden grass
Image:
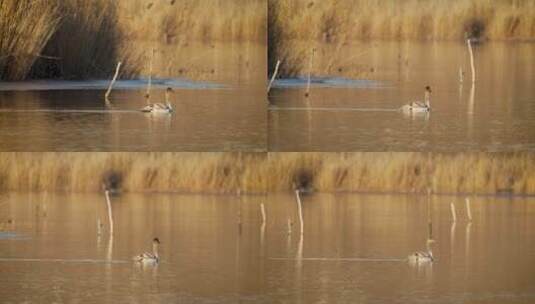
<point>85,41</point>
<point>88,38</point>
<point>486,173</point>
<point>25,29</point>
<point>181,172</point>
<point>330,21</point>
<point>295,26</point>
<point>482,173</point>
<point>183,22</point>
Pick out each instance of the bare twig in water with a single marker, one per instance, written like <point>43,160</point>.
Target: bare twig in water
<point>453,213</point>
<point>150,75</point>
<point>472,65</point>
<point>263,211</point>
<point>106,97</point>
<point>289,226</point>
<point>273,76</point>
<point>310,71</point>
<point>110,215</point>
<point>300,209</point>
<point>468,209</point>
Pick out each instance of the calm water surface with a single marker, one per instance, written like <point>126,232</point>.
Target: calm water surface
<point>51,252</point>
<point>496,114</point>
<point>224,110</point>
<point>214,119</point>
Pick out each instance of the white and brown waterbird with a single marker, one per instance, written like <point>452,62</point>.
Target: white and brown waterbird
<point>418,106</point>
<point>149,257</point>
<point>420,257</point>
<point>159,107</point>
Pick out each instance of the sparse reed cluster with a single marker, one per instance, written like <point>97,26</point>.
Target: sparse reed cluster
<point>484,173</point>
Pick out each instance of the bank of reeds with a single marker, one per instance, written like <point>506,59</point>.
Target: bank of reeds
<point>180,172</point>
<point>85,42</point>
<point>295,26</point>
<point>25,29</point>
<point>184,22</point>
<point>482,173</point>
<point>85,39</point>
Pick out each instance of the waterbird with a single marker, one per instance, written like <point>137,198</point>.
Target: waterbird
<point>418,106</point>
<point>149,257</point>
<point>419,257</point>
<point>159,107</point>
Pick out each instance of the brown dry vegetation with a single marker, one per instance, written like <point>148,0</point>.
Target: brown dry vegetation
<point>87,38</point>
<point>182,172</point>
<point>25,29</point>
<point>260,172</point>
<point>295,26</point>
<point>405,172</point>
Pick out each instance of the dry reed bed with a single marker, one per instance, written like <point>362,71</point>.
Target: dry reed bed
<point>85,39</point>
<point>484,173</point>
<point>295,26</point>
<point>181,172</point>
<point>183,22</point>
<point>25,29</point>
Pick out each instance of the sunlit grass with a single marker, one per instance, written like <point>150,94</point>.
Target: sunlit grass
<point>296,26</point>
<point>488,173</point>
<point>85,39</point>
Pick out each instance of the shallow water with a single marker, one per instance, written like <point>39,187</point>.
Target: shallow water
<point>79,120</point>
<point>496,114</point>
<point>59,257</point>
<point>220,105</point>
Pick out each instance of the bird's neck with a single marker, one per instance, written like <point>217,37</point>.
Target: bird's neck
<point>155,250</point>
<point>426,98</point>
<point>167,99</point>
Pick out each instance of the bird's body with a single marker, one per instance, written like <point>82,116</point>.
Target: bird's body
<point>149,257</point>
<point>159,107</point>
<point>418,106</point>
<point>421,257</point>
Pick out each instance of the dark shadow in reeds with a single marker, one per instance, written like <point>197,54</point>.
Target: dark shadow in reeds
<point>85,41</point>
<point>25,27</point>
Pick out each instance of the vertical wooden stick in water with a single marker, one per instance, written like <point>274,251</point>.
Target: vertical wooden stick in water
<point>289,226</point>
<point>461,75</point>
<point>106,97</point>
<point>300,209</point>
<point>309,72</point>
<point>239,220</point>
<point>469,42</point>
<point>274,75</point>
<point>99,227</point>
<point>263,210</point>
<point>429,222</point>
<point>150,72</point>
<point>468,210</point>
<point>453,213</point>
<point>110,216</point>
